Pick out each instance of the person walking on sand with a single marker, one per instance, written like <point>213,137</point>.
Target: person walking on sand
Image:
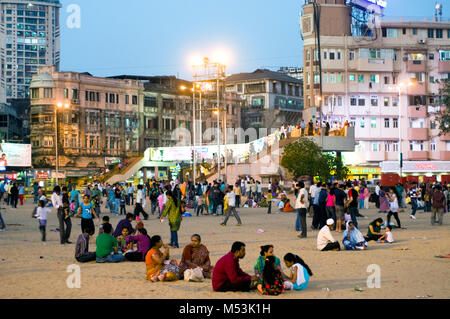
<point>231,196</point>
<point>301,204</point>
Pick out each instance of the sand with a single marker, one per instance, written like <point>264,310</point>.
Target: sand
<point>412,273</point>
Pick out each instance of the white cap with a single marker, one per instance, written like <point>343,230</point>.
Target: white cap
<point>330,221</point>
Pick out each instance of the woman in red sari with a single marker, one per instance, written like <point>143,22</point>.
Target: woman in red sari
<point>196,255</point>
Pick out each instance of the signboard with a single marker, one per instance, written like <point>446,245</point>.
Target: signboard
<point>112,160</point>
<point>416,167</point>
<point>365,170</point>
<point>168,154</point>
<point>14,155</point>
<point>42,175</point>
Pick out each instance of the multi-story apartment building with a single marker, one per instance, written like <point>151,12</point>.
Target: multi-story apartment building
<point>29,38</point>
<point>381,80</point>
<point>294,72</point>
<point>269,99</point>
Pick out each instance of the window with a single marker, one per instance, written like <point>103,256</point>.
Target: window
<point>112,98</point>
<point>404,31</point>
<point>387,146</point>
<point>417,123</point>
<point>316,55</point>
<point>375,147</point>
<point>386,80</point>
<point>316,80</point>
<point>48,93</point>
<point>439,33</point>
<point>391,33</point>
<point>127,99</point>
<point>416,146</point>
<point>395,122</point>
<point>361,146</point>
<point>332,77</point>
<point>339,100</point>
<point>332,54</point>
<point>339,54</point>
<point>325,77</point>
<point>374,100</point>
<point>433,145</point>
<point>432,125</point>
<point>374,78</point>
<point>431,33</point>
<point>386,101</point>
<point>308,55</point>
<point>351,55</point>
<point>431,56</point>
<point>361,78</point>
<point>135,100</point>
<point>431,79</point>
<point>353,121</point>
<point>274,87</point>
<point>361,101</point>
<point>395,101</point>
<point>414,31</point>
<point>74,93</point>
<point>351,77</point>
<point>353,101</point>
<point>373,122</point>
<point>362,122</point>
<point>386,122</point>
<point>34,93</point>
<point>325,54</point>
<point>444,55</point>
<point>395,147</point>
<point>66,93</point>
<point>48,141</point>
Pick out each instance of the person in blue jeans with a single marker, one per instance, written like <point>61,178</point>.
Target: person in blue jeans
<point>117,196</point>
<point>107,247</point>
<point>413,194</point>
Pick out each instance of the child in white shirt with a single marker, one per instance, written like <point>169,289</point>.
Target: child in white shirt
<point>42,215</point>
<point>387,236</point>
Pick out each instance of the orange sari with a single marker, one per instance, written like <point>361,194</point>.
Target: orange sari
<point>153,268</point>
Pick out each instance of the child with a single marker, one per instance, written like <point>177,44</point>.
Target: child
<point>87,212</point>
<point>272,280</point>
<point>41,215</point>
<point>300,272</point>
<point>387,236</point>
<point>82,253</point>
<point>347,217</point>
<point>139,223</point>
<point>200,204</point>
<point>105,220</point>
<point>122,204</point>
<point>122,243</point>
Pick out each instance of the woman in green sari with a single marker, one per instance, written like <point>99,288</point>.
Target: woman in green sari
<point>173,209</point>
<point>266,251</point>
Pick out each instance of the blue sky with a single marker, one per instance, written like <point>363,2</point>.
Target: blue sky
<point>155,37</point>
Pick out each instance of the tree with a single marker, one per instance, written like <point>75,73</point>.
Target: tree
<point>444,119</point>
<point>305,158</point>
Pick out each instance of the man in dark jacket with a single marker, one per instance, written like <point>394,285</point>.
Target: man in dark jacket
<point>125,223</point>
<point>323,195</point>
<point>216,197</point>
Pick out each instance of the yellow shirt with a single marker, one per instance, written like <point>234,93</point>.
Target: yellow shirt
<point>237,190</point>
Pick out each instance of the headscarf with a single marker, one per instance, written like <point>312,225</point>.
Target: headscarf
<point>355,236</point>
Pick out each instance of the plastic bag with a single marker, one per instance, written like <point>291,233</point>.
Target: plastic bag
<point>195,275</point>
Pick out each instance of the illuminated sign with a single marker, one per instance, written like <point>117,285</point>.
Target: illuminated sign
<point>380,3</point>
<point>15,155</point>
<point>41,175</point>
<point>365,170</point>
<point>426,167</point>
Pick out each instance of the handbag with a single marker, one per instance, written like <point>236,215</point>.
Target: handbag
<point>193,275</point>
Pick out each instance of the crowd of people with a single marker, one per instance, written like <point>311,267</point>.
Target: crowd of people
<point>313,129</point>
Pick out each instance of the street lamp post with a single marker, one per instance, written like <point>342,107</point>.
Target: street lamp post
<point>59,105</point>
<point>194,171</point>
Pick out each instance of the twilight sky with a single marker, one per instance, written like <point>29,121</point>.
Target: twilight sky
<point>160,37</point>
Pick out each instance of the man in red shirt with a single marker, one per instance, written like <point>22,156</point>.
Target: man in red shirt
<point>228,275</point>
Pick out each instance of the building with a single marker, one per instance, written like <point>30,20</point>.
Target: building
<point>294,72</point>
<point>10,124</point>
<point>97,124</point>
<point>29,38</point>
<point>269,99</point>
<point>381,79</point>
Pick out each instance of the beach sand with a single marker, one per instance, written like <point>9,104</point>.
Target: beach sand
<point>32,269</point>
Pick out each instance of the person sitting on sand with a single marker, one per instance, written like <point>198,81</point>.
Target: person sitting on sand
<point>155,261</point>
<point>271,278</point>
<point>196,255</point>
<point>122,242</point>
<point>266,251</point>
<point>374,230</point>
<point>387,236</point>
<point>105,220</point>
<point>126,222</point>
<point>300,272</point>
<point>107,248</point>
<point>82,253</point>
<point>325,240</point>
<point>353,239</point>
<point>143,245</point>
<point>228,275</point>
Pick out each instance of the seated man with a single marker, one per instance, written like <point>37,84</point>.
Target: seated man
<point>228,275</point>
<point>106,244</point>
<point>196,255</point>
<point>82,253</point>
<point>126,222</point>
<point>325,240</point>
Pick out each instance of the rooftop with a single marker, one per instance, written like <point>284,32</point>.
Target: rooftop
<point>262,74</point>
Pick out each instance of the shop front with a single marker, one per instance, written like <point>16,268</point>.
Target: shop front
<point>366,173</point>
<point>415,171</point>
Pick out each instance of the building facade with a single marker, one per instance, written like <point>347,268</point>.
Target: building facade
<point>269,99</point>
<point>10,124</point>
<point>29,38</point>
<point>382,80</point>
<point>294,72</point>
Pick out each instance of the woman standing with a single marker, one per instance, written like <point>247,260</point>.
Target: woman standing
<point>173,210</point>
<point>366,198</point>
<point>384,203</point>
<point>393,200</point>
<point>21,193</point>
<point>361,196</point>
<point>331,204</point>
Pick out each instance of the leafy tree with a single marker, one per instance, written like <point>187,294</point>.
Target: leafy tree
<point>444,119</point>
<point>305,158</point>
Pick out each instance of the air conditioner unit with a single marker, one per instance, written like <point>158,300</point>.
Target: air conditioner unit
<point>422,41</point>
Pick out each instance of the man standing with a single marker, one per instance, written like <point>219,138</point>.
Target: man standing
<point>316,207</point>
<point>117,196</point>
<point>139,202</point>
<point>228,275</point>
<point>325,240</point>
<point>215,197</point>
<point>438,202</point>
<point>413,194</point>
<point>258,191</point>
<point>238,193</point>
<point>130,192</point>
<point>341,197</point>
<point>352,203</point>
<point>301,204</point>
<point>58,205</point>
<point>323,195</point>
<point>377,195</point>
<point>231,207</point>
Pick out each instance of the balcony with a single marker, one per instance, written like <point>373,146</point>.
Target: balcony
<point>413,66</point>
<point>444,66</point>
<point>417,89</point>
<point>417,155</point>
<point>445,156</point>
<point>418,134</point>
<point>375,65</point>
<point>417,111</point>
<point>445,137</point>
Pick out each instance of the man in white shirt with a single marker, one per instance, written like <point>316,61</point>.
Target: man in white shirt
<point>325,240</point>
<point>301,205</point>
<point>58,205</point>
<point>377,193</point>
<point>231,207</point>
<point>138,209</point>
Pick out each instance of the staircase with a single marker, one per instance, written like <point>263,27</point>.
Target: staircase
<point>116,176</point>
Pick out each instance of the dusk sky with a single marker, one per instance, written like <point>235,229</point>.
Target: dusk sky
<point>150,37</point>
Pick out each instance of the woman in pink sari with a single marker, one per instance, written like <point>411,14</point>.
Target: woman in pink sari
<point>196,255</point>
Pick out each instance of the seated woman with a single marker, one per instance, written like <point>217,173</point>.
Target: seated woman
<point>158,266</point>
<point>374,231</point>
<point>196,255</point>
<point>143,245</point>
<point>265,252</point>
<point>287,207</point>
<point>353,239</point>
